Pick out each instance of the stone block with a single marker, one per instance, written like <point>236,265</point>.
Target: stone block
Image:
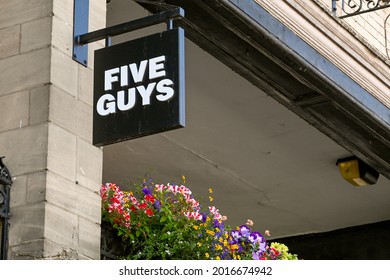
<point>64,72</point>
<point>89,165</point>
<point>89,204</point>
<point>18,191</point>
<point>39,104</point>
<point>89,239</point>
<point>36,34</point>
<point>62,36</point>
<point>30,250</point>
<point>61,157</point>
<point>19,11</point>
<point>76,199</point>
<point>97,14</point>
<point>9,41</point>
<point>85,86</point>
<point>26,224</point>
<point>71,114</point>
<point>24,71</point>
<point>14,110</point>
<point>25,149</point>
<point>61,226</point>
<point>61,192</point>
<point>63,9</point>
<point>55,251</point>
<point>36,187</point>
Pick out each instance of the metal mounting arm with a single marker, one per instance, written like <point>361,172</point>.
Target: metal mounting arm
<point>82,38</point>
<point>352,8</point>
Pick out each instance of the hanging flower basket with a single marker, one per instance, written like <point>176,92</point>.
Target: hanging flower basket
<point>155,221</point>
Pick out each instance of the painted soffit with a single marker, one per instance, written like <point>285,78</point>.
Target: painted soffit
<point>251,41</point>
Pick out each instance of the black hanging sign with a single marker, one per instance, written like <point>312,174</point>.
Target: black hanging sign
<point>139,88</point>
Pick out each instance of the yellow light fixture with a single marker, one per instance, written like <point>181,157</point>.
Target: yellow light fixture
<point>356,172</point>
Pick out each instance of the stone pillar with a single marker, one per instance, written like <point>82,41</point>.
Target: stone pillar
<point>46,131</point>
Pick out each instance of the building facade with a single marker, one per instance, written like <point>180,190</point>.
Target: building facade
<point>293,87</point>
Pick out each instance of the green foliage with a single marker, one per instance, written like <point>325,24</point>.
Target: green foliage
<point>167,222</point>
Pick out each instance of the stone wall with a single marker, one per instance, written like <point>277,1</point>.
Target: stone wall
<point>46,131</point>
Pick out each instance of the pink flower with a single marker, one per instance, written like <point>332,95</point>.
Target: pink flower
<point>160,188</point>
<point>193,215</point>
<point>193,202</point>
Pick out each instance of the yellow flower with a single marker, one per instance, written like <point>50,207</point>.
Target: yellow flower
<point>218,247</point>
<point>217,258</point>
<point>199,244</point>
<point>183,178</point>
<point>196,227</point>
<point>225,243</point>
<point>211,199</point>
<point>210,190</point>
<point>210,232</point>
<point>207,255</point>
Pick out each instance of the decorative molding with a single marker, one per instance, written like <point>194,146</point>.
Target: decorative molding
<point>325,34</point>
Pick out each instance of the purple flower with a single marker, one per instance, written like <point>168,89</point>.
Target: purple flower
<point>263,247</point>
<point>255,256</point>
<point>245,230</point>
<point>157,205</point>
<point>236,235</point>
<point>146,191</point>
<point>204,216</point>
<point>256,237</point>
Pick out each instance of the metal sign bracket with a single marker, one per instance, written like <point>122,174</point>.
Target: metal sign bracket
<point>356,7</point>
<point>81,37</point>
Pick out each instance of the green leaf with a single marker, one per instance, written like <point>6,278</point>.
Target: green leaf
<point>163,219</point>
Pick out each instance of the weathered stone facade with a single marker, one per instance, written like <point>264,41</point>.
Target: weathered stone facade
<point>46,131</point>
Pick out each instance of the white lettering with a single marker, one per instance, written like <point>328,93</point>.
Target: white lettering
<point>146,93</point>
<point>156,67</point>
<point>138,74</point>
<point>126,98</point>
<point>163,87</point>
<point>109,78</point>
<point>106,105</point>
<point>124,76</point>
<point>130,99</point>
